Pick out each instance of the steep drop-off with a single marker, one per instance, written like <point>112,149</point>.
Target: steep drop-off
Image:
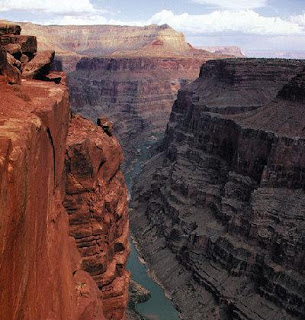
<point>130,74</point>
<point>219,214</point>
<point>136,93</point>
<point>63,203</point>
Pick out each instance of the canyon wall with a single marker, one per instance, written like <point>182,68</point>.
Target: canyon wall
<point>96,40</point>
<point>219,213</point>
<point>136,93</point>
<point>63,202</point>
<point>129,74</point>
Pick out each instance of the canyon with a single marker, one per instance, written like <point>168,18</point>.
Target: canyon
<point>74,42</point>
<point>129,74</point>
<point>214,165</point>
<point>135,93</point>
<point>219,211</point>
<point>63,200</point>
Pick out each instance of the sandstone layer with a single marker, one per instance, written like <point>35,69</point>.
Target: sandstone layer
<point>219,213</point>
<point>63,212</point>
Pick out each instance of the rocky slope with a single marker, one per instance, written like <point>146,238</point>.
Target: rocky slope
<point>219,214</point>
<point>63,203</point>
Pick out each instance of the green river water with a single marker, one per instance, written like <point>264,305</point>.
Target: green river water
<point>158,307</point>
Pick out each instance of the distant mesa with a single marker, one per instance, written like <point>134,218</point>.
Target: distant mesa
<point>71,43</point>
<point>231,50</point>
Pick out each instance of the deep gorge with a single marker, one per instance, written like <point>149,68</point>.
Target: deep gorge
<point>212,149</point>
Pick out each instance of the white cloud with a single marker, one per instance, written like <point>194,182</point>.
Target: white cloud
<point>234,21</point>
<point>242,21</point>
<point>78,20</point>
<point>234,4</point>
<point>48,6</point>
<point>216,22</point>
<point>89,19</point>
<point>300,19</point>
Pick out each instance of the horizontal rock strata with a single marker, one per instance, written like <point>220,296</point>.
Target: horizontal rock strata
<point>76,41</point>
<point>136,93</point>
<point>222,220</point>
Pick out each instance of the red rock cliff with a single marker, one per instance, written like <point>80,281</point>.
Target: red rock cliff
<point>47,268</point>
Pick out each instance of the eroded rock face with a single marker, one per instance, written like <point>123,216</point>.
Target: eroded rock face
<point>225,206</point>
<point>58,263</point>
<point>71,43</point>
<point>38,256</point>
<point>96,202</point>
<point>136,93</point>
<point>39,66</point>
<point>7,27</point>
<point>135,79</point>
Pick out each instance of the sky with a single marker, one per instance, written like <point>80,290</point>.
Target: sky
<point>250,24</point>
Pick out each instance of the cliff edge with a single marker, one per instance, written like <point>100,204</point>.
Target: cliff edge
<point>56,262</point>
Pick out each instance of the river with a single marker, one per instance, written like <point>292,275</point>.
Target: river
<point>158,307</point>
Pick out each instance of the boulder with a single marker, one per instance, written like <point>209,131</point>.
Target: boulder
<point>55,76</point>
<point>9,28</point>
<point>3,58</point>
<point>12,61</point>
<point>28,43</point>
<point>12,74</point>
<point>39,66</point>
<point>5,40</point>
<point>24,59</point>
<point>13,48</point>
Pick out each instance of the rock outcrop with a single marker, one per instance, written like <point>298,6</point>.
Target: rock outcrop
<point>219,213</point>
<point>39,66</point>
<point>63,206</point>
<point>19,57</point>
<point>96,201</point>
